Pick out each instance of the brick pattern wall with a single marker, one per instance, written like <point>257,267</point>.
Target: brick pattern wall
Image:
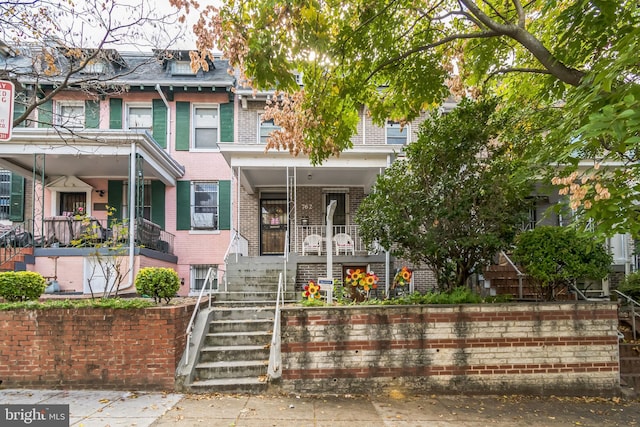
<point>93,348</point>
<point>561,348</point>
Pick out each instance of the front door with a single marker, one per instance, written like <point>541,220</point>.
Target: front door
<point>273,226</point>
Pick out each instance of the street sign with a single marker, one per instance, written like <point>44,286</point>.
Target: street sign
<point>6,109</point>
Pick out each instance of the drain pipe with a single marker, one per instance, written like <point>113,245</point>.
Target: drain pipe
<point>166,103</point>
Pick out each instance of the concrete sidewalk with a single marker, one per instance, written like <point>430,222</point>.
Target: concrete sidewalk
<point>114,409</point>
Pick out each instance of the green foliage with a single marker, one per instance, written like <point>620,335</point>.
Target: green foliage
<point>312,303</point>
<point>555,257</point>
<point>116,303</point>
<point>630,286</point>
<point>21,285</point>
<point>456,199</point>
<point>158,283</point>
<point>459,295</point>
<point>577,58</point>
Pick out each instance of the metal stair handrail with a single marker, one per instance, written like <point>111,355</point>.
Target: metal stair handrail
<point>189,332</point>
<point>9,241</point>
<point>633,303</point>
<point>275,356</point>
<point>519,273</point>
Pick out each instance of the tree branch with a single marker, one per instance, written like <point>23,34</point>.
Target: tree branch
<point>445,40</point>
<point>556,68</point>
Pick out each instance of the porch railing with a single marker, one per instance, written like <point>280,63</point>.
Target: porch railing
<point>11,240</point>
<point>353,231</point>
<point>63,231</point>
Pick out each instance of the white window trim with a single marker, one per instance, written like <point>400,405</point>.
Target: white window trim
<point>192,139</point>
<point>129,105</point>
<point>192,209</point>
<point>407,128</point>
<point>59,117</point>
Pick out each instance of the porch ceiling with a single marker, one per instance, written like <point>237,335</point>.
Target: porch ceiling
<point>357,167</point>
<point>91,154</point>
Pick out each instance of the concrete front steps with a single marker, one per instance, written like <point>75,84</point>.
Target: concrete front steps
<point>235,352</point>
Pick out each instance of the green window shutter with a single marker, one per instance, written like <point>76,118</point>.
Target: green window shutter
<point>157,202</point>
<point>18,110</point>
<point>224,208</point>
<point>183,205</point>
<point>183,125</point>
<point>16,199</point>
<point>45,115</point>
<point>115,113</point>
<point>91,114</point>
<point>114,199</point>
<point>160,122</point>
<point>226,122</point>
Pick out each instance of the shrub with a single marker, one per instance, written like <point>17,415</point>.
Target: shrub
<point>21,285</point>
<point>630,286</point>
<point>158,282</point>
<point>556,257</point>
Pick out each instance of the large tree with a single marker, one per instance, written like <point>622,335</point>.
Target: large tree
<point>399,56</point>
<point>52,43</point>
<point>455,200</point>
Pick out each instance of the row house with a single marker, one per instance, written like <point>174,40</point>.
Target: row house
<point>143,139</point>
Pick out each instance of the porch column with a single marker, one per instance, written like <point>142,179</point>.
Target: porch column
<point>132,215</point>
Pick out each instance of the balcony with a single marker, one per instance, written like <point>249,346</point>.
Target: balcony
<point>64,231</point>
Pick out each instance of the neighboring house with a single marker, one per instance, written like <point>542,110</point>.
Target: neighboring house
<point>146,123</point>
<point>191,146</point>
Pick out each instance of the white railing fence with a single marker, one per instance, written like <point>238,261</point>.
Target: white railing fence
<point>275,356</point>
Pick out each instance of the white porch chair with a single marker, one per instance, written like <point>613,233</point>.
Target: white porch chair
<point>312,243</point>
<point>344,242</point>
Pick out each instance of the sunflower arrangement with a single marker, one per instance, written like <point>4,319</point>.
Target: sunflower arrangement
<point>311,291</point>
<point>403,277</point>
<point>363,280</point>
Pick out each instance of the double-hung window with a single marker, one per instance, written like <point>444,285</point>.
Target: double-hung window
<point>139,117</point>
<point>396,133</point>
<point>206,126</point>
<point>266,128</point>
<point>70,115</point>
<point>204,205</point>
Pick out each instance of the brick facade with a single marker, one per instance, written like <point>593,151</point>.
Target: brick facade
<point>560,348</point>
<point>93,348</point>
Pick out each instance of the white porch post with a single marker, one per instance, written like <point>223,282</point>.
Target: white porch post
<point>132,214</point>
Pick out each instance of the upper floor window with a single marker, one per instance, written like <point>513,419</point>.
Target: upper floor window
<point>182,68</point>
<point>204,205</point>
<point>5,194</point>
<point>70,115</point>
<point>139,117</point>
<point>266,127</point>
<point>94,67</point>
<point>397,134</point>
<point>205,126</point>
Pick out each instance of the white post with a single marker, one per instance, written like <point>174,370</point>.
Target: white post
<point>331,208</point>
<point>132,208</point>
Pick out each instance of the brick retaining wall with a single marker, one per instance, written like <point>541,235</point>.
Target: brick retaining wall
<point>92,347</point>
<point>544,348</point>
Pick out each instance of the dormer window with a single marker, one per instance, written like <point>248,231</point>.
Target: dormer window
<point>182,68</point>
<point>94,67</point>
